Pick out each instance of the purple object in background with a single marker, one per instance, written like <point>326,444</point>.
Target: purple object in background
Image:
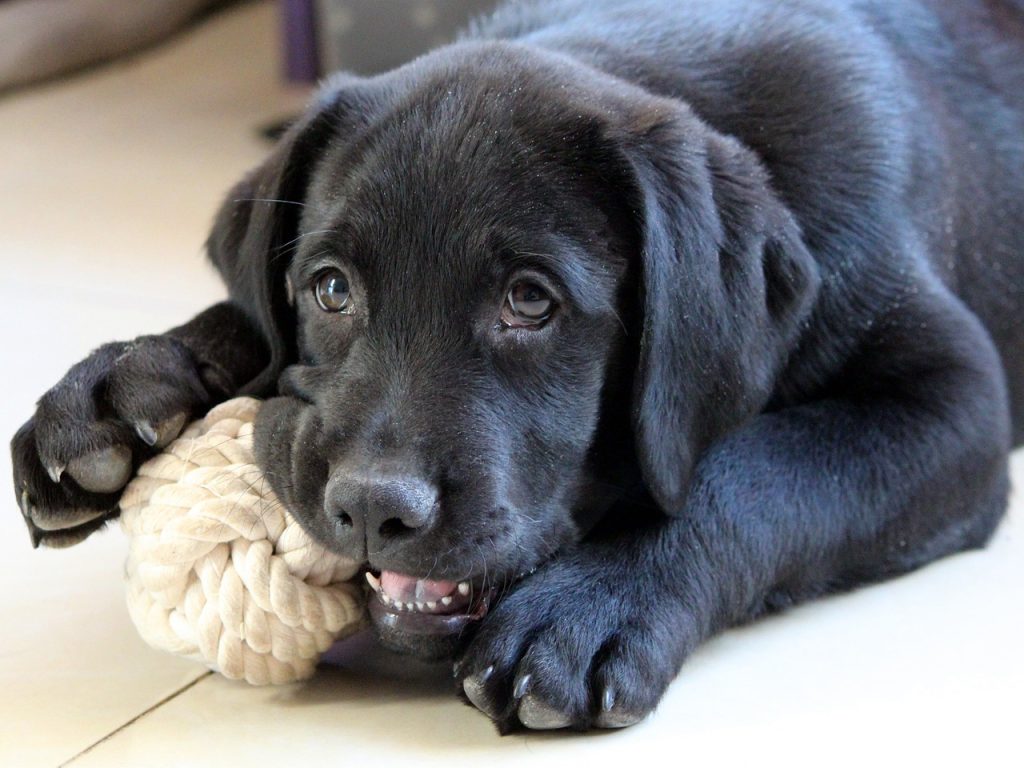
<point>300,52</point>
<point>367,36</point>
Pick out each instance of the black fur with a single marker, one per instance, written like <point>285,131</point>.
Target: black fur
<point>787,243</point>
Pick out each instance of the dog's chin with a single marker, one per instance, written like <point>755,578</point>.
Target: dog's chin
<point>422,617</point>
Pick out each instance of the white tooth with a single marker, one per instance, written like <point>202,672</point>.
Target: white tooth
<point>410,606</point>
<point>432,604</point>
<point>421,606</point>
<point>373,581</point>
<point>446,600</point>
<point>384,598</point>
<point>463,588</point>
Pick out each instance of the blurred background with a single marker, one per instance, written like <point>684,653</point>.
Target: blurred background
<point>44,39</point>
<point>122,125</point>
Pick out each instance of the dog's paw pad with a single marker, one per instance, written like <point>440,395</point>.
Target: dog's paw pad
<point>613,714</point>
<point>475,688</point>
<point>103,471</point>
<point>64,519</point>
<point>537,714</point>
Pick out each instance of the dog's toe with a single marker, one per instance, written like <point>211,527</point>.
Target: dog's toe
<point>475,688</point>
<point>103,471</point>
<point>612,714</point>
<point>64,519</point>
<point>537,714</point>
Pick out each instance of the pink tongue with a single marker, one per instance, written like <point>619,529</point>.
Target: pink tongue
<point>409,589</point>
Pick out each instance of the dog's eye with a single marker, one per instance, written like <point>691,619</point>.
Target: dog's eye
<point>332,291</point>
<point>526,306</point>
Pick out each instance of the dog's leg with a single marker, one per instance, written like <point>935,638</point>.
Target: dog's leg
<point>903,462</point>
<point>118,407</point>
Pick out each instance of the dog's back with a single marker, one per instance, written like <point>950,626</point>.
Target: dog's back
<point>879,120</point>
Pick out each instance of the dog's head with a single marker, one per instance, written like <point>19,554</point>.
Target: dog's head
<point>502,292</point>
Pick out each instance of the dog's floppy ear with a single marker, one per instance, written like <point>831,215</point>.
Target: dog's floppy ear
<point>726,285</point>
<point>256,224</point>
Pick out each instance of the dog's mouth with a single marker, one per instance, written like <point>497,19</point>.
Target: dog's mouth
<point>424,616</point>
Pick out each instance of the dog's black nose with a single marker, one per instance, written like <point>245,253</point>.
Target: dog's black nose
<point>379,507</point>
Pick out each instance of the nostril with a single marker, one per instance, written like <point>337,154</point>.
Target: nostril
<point>379,507</point>
<point>393,527</point>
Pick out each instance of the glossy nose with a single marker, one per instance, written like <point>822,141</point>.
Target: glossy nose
<point>379,508</point>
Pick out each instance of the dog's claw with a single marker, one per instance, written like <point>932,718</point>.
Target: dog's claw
<point>608,699</point>
<point>539,716</point>
<point>146,432</point>
<point>162,434</point>
<point>521,687</point>
<point>25,505</point>
<point>55,471</point>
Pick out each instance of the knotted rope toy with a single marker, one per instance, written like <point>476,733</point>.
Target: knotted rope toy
<point>217,569</point>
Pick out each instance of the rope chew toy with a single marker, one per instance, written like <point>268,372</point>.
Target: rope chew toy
<point>217,569</point>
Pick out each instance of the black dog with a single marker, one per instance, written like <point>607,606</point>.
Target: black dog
<point>608,327</point>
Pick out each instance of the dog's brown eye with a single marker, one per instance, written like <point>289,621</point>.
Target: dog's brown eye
<point>332,291</point>
<point>527,305</point>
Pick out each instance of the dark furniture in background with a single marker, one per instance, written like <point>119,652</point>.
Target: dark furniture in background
<point>367,36</point>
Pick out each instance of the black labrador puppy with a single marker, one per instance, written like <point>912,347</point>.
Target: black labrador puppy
<point>614,324</point>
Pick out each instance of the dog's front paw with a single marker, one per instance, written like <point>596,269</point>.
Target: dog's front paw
<point>109,412</point>
<point>579,644</point>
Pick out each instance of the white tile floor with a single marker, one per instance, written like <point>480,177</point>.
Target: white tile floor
<point>107,185</point>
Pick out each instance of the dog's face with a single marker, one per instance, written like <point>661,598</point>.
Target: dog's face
<point>451,260</point>
<point>457,295</point>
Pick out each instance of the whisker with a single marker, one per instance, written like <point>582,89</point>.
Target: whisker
<point>267,200</point>
<point>305,234</point>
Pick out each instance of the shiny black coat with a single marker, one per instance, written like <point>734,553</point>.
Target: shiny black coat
<point>786,242</point>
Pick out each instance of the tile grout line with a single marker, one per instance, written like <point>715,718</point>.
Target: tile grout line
<point>132,721</point>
